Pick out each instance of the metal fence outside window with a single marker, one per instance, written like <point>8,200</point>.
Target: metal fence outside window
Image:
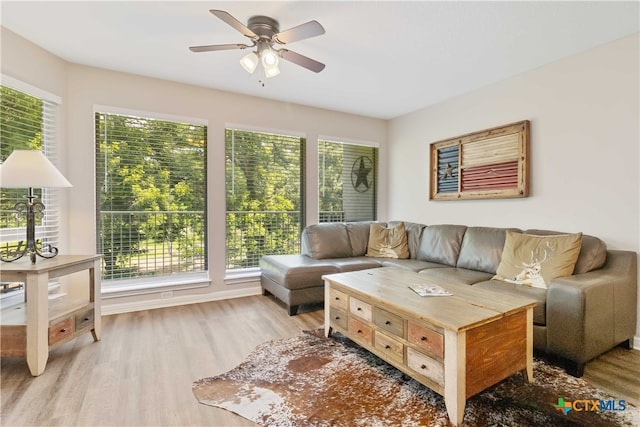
<point>250,235</point>
<point>156,243</point>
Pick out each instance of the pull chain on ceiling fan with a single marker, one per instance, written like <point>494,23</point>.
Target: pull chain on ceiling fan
<point>264,32</point>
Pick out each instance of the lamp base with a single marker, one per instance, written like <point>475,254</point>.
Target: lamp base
<point>19,253</point>
<point>30,209</point>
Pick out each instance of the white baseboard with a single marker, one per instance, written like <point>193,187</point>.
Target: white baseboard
<point>636,342</point>
<point>127,307</point>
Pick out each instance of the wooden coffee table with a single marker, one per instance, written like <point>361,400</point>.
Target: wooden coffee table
<point>456,345</point>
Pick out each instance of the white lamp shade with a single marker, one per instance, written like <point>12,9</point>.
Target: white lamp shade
<point>249,62</point>
<point>30,168</point>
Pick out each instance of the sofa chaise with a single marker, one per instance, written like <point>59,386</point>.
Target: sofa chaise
<point>577,317</point>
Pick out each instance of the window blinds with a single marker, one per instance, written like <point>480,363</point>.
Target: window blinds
<point>264,195</point>
<point>347,181</point>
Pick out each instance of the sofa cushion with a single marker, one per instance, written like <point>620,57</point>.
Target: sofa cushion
<point>535,260</point>
<point>327,240</point>
<point>295,271</point>
<point>482,248</point>
<point>457,275</point>
<point>504,288</point>
<point>414,231</point>
<point>388,242</point>
<point>593,253</point>
<point>354,263</point>
<point>359,236</point>
<point>409,264</point>
<point>441,244</point>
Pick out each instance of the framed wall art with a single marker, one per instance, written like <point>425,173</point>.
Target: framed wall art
<point>489,164</point>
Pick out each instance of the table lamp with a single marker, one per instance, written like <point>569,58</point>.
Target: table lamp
<point>30,169</point>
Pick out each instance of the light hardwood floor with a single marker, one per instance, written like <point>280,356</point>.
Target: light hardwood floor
<point>140,373</point>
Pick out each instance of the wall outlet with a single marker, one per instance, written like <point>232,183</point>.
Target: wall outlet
<point>166,294</point>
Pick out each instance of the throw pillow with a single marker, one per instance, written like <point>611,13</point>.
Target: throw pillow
<point>388,242</point>
<point>535,260</point>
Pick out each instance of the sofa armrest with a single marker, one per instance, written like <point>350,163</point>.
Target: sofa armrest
<point>587,314</point>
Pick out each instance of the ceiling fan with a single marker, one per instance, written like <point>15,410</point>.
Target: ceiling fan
<point>264,33</point>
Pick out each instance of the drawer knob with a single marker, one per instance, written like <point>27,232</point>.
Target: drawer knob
<point>63,330</point>
<point>359,309</point>
<point>85,319</point>
<point>387,346</point>
<point>387,322</point>
<point>337,317</point>
<point>337,298</point>
<point>423,366</point>
<point>424,339</point>
<point>359,331</point>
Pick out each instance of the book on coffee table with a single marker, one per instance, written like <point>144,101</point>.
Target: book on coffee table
<point>426,290</point>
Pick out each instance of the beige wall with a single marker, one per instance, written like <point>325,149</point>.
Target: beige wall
<point>584,113</point>
<point>83,88</point>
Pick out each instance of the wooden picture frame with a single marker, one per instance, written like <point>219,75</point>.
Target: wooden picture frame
<point>489,164</point>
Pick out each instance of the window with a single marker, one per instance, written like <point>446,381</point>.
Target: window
<point>264,192</point>
<point>28,119</point>
<point>151,196</point>
<point>347,181</point>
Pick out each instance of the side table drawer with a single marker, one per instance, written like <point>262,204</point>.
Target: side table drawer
<point>360,330</point>
<point>338,317</point>
<point>429,341</point>
<point>393,349</point>
<point>425,366</point>
<point>60,330</point>
<point>13,340</point>
<point>389,322</point>
<point>338,299</point>
<point>360,308</point>
<point>84,319</point>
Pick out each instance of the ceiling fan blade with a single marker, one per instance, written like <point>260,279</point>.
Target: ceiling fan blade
<point>301,60</point>
<point>226,17</point>
<point>301,32</point>
<point>214,47</point>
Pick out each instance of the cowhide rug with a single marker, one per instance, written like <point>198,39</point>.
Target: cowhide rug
<point>309,380</point>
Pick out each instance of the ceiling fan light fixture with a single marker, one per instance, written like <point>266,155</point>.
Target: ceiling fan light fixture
<point>271,71</point>
<point>249,62</point>
<point>269,58</point>
<point>264,32</point>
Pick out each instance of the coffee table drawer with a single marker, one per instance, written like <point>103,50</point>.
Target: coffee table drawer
<point>389,322</point>
<point>360,308</point>
<point>429,341</point>
<point>425,366</point>
<point>338,299</point>
<point>360,330</point>
<point>338,317</point>
<point>391,348</point>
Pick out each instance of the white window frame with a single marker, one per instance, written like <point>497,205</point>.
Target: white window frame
<point>147,285</point>
<point>350,141</point>
<point>249,274</point>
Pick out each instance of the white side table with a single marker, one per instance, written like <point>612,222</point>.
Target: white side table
<point>31,328</point>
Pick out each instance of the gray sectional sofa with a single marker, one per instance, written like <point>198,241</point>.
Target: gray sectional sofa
<point>577,318</point>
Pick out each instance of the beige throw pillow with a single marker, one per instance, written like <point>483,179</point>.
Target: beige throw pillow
<point>388,242</point>
<point>535,260</point>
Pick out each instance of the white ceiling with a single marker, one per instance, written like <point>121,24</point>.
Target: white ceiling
<point>384,59</point>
